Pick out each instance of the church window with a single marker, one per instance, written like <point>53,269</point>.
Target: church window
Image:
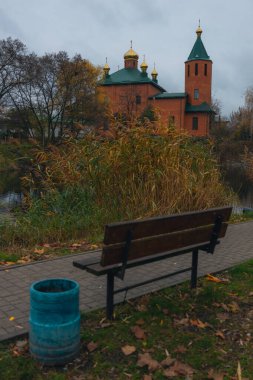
<point>196,93</point>
<point>138,99</point>
<point>171,120</point>
<point>196,68</point>
<point>205,70</point>
<point>188,70</point>
<point>195,123</point>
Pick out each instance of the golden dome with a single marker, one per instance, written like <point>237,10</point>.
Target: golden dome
<point>199,30</point>
<point>154,72</point>
<point>131,54</point>
<point>144,65</point>
<point>106,67</point>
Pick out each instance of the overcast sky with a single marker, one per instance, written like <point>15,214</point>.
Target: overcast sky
<point>163,30</point>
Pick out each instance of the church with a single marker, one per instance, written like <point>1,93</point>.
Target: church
<point>131,91</point>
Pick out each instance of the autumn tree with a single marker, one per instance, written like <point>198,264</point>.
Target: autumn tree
<point>55,95</point>
<point>241,121</point>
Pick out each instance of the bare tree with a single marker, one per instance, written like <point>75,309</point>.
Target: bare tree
<point>11,52</point>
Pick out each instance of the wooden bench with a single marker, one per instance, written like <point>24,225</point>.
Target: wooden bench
<point>139,242</point>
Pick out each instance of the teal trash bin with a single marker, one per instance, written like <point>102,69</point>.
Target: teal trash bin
<point>54,336</point>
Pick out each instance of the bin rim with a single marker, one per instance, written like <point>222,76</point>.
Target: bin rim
<point>34,284</point>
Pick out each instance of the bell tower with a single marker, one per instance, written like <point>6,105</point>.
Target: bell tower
<point>198,73</point>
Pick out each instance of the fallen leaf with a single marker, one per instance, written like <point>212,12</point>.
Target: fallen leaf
<point>234,307</point>
<point>214,375</point>
<point>198,323</point>
<point>146,360</point>
<point>220,334</point>
<point>20,347</point>
<point>181,349</point>
<point>105,325</point>
<point>222,316</point>
<point>21,261</point>
<point>141,308</point>
<point>138,332</point>
<point>140,322</point>
<point>128,350</point>
<point>11,318</point>
<point>147,377</point>
<point>170,372</point>
<point>92,346</point>
<point>179,368</point>
<point>167,361</point>
<point>209,277</point>
<point>76,245</point>
<point>181,322</point>
<point>225,307</point>
<point>39,251</point>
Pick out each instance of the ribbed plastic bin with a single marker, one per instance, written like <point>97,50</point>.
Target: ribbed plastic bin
<point>54,336</point>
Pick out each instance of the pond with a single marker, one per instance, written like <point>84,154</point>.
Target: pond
<point>10,192</point>
<point>235,177</point>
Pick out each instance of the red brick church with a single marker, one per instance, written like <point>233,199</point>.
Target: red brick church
<point>131,90</point>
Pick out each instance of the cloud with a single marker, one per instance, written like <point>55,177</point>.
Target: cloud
<point>163,30</point>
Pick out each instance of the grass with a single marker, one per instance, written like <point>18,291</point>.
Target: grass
<point>209,328</point>
<point>136,174</point>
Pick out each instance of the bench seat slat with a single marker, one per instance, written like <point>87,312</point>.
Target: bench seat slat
<point>116,232</point>
<point>157,244</point>
<point>99,270</point>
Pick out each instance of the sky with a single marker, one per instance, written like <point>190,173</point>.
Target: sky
<point>163,30</point>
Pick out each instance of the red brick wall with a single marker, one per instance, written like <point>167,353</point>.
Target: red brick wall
<point>203,124</point>
<point>166,107</point>
<point>201,81</point>
<point>171,107</point>
<point>122,98</point>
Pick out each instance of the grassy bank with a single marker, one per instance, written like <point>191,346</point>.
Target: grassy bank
<point>201,334</point>
<point>134,174</point>
<point>14,155</point>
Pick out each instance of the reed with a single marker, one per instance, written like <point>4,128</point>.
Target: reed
<point>132,173</point>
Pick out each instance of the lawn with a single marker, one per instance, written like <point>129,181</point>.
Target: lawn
<point>175,333</point>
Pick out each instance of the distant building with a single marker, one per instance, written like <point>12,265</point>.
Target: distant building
<point>131,91</point>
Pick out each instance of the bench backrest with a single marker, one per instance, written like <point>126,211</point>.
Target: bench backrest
<point>161,234</point>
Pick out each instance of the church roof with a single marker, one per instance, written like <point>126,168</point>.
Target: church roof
<point>203,107</point>
<point>128,76</point>
<point>169,95</point>
<point>198,51</point>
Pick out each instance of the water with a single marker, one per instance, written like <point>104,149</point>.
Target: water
<point>10,193</point>
<point>235,177</point>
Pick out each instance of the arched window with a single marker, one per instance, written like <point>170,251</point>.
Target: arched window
<point>188,68</point>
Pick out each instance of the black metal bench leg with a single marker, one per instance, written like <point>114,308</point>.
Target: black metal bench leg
<point>194,274</point>
<point>109,295</point>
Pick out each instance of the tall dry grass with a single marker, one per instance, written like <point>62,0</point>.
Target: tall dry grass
<point>133,173</point>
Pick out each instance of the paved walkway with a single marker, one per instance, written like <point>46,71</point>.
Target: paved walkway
<point>15,281</point>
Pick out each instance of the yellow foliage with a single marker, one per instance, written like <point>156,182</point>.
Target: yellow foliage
<point>139,171</point>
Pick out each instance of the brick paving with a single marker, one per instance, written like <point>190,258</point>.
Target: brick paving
<point>235,248</point>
